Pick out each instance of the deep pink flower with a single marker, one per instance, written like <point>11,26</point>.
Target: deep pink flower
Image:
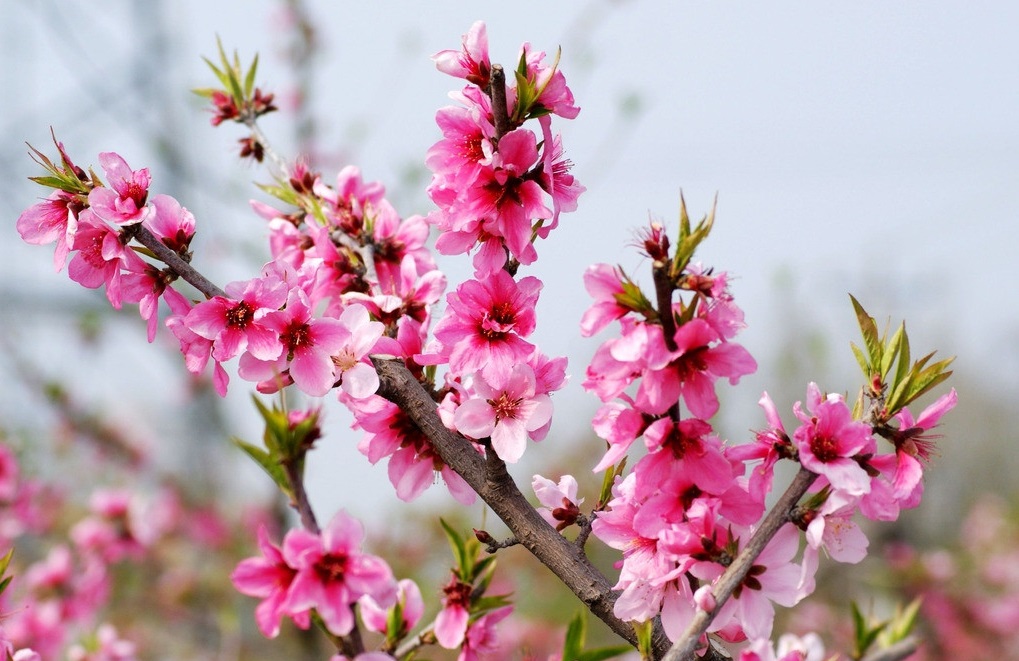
<point>101,256</point>
<point>196,349</point>
<point>620,425</point>
<point>485,323</point>
<point>236,324</point>
<point>556,179</point>
<point>506,410</point>
<point>554,95</point>
<point>347,204</point>
<point>471,62</point>
<point>829,439</point>
<point>333,573</point>
<point>172,223</point>
<point>466,144</point>
<point>268,577</point>
<point>124,202</point>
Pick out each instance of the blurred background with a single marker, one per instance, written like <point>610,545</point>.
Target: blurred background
<point>866,148</point>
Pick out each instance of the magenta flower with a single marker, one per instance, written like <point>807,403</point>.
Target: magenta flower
<point>485,323</point>
<point>268,577</point>
<point>471,62</point>
<point>333,573</point>
<point>505,411</point>
<point>829,439</point>
<point>451,622</point>
<point>236,324</point>
<point>124,202</point>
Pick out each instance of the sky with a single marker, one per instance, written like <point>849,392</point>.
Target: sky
<point>865,147</point>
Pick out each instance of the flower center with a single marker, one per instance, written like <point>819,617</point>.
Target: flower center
<point>331,567</point>
<point>239,316</point>
<point>824,447</point>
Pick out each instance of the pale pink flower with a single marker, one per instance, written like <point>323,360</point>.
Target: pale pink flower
<point>196,349</point>
<point>124,202</point>
<point>268,577</point>
<point>358,377</point>
<point>471,62</point>
<point>480,640</point>
<point>829,439</point>
<point>109,647</point>
<point>913,445</point>
<point>620,425</point>
<point>560,506</point>
<point>506,410</point>
<point>333,573</point>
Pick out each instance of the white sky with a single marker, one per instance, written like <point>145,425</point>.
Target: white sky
<point>866,147</point>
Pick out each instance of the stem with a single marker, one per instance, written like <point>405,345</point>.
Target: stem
<point>497,89</point>
<point>684,648</point>
<point>259,136</point>
<point>489,478</point>
<point>176,262</point>
<point>299,497</point>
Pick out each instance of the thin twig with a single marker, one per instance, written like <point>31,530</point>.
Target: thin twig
<point>497,87</point>
<point>684,648</point>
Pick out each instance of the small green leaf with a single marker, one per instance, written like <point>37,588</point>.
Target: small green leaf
<point>249,80</point>
<point>903,366</point>
<point>891,350</point>
<point>269,464</point>
<point>870,335</point>
<point>861,359</point>
<point>458,546</point>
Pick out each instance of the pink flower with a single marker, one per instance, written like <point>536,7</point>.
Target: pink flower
<point>451,622</point>
<point>471,62</point>
<point>124,202</point>
<point>485,323</point>
<point>54,219</point>
<point>505,410</point>
<point>110,647</point>
<point>480,640</point>
<point>269,577</point>
<point>308,345</point>
<point>236,324</point>
<point>412,607</point>
<point>604,283</point>
<point>829,439</point>
<point>913,445</point>
<point>196,349</point>
<point>333,573</point>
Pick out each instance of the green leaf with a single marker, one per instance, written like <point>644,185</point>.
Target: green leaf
<point>576,634</point>
<point>903,367</point>
<point>902,623</point>
<point>891,350</point>
<point>870,335</point>
<point>458,546</point>
<point>5,561</point>
<point>860,358</point>
<point>270,465</point>
<point>249,80</point>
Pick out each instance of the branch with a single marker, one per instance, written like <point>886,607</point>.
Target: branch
<point>175,262</point>
<point>684,648</point>
<point>489,478</point>
<point>497,87</point>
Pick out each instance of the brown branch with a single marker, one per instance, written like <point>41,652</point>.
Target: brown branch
<point>299,496</point>
<point>497,90</point>
<point>684,648</point>
<point>489,478</point>
<point>176,262</point>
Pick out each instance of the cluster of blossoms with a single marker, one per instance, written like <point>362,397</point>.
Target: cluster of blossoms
<point>351,282</point>
<point>691,503</point>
